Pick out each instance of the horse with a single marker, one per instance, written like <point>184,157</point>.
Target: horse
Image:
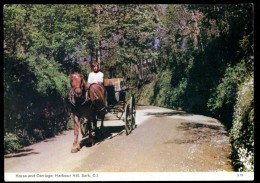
<point>87,102</point>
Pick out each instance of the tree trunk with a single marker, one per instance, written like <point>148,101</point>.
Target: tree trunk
<point>98,51</point>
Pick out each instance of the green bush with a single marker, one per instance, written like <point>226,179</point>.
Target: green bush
<point>160,92</point>
<point>146,96</point>
<point>11,143</point>
<point>242,132</point>
<point>40,91</point>
<point>221,102</point>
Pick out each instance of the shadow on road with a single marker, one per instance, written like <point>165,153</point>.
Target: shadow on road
<point>192,125</point>
<point>108,132</point>
<point>162,114</point>
<point>21,152</point>
<point>200,133</point>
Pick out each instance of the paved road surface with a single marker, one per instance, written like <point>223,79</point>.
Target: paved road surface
<point>164,141</point>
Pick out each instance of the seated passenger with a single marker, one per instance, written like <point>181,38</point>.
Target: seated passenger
<point>96,76</point>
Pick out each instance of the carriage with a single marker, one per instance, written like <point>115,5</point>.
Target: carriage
<point>118,105</point>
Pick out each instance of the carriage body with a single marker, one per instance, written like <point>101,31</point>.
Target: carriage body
<point>117,103</point>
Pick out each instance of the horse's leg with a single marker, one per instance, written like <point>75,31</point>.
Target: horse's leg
<point>92,116</point>
<point>76,147</point>
<point>89,126</point>
<point>94,121</point>
<point>102,115</point>
<point>104,111</point>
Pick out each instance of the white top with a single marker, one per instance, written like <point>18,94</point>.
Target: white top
<point>95,77</point>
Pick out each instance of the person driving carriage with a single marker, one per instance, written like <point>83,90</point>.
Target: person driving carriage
<point>96,76</point>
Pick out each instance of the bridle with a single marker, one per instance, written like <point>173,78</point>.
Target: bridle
<point>73,97</point>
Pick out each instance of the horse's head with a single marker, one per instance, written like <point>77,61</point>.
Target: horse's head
<point>76,83</point>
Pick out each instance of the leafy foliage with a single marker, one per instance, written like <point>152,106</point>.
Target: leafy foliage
<point>190,57</point>
<point>11,143</point>
<point>242,132</point>
<point>221,102</point>
<point>205,79</point>
<point>35,88</point>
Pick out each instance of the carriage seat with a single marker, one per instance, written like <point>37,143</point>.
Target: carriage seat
<point>115,92</point>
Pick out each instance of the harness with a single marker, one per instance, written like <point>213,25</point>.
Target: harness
<point>80,101</point>
<point>75,101</point>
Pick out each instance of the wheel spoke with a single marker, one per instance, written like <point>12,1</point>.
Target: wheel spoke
<point>132,106</point>
<point>127,120</point>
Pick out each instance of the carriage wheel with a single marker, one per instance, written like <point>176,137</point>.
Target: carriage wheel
<point>127,119</point>
<point>133,112</point>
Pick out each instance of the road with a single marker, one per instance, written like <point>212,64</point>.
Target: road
<point>164,140</point>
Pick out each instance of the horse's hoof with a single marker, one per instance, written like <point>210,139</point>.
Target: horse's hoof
<point>74,150</point>
<point>78,147</point>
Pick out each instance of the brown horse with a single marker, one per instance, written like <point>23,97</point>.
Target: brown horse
<point>86,102</point>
